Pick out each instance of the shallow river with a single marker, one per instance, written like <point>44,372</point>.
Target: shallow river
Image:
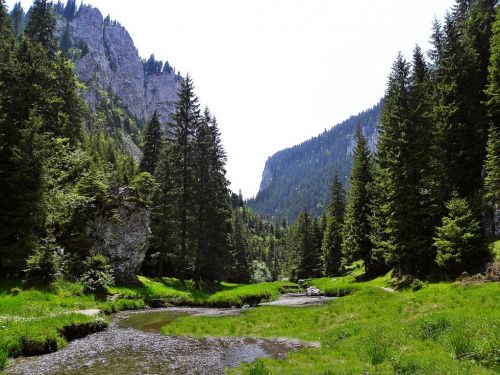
<point>132,345</point>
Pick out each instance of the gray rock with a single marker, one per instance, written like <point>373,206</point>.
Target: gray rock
<point>113,63</point>
<point>121,232</point>
<point>313,291</point>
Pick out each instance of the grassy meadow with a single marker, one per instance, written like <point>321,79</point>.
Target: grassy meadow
<point>442,328</point>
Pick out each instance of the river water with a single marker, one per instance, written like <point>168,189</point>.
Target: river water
<point>133,345</point>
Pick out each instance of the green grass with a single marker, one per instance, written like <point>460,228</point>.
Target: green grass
<point>37,321</point>
<point>440,329</point>
<point>169,291</point>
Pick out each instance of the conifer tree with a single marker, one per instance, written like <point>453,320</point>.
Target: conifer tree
<point>41,25</point>
<point>307,246</point>
<point>218,214</point>
<point>317,265</point>
<point>458,239</point>
<point>152,145</point>
<point>241,268</point>
<point>332,238</point>
<point>396,211</point>
<point>70,10</point>
<point>356,242</point>
<point>65,44</point>
<point>163,254</point>
<point>17,15</point>
<point>211,200</point>
<point>492,164</point>
<point>426,169</point>
<point>461,78</point>
<point>182,129</point>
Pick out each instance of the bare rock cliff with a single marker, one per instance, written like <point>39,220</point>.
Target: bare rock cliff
<point>110,61</point>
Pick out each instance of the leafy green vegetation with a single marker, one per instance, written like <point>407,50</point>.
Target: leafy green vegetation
<point>436,330</point>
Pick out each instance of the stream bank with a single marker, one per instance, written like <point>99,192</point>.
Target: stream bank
<point>132,345</point>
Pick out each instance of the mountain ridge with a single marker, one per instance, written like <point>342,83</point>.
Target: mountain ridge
<point>289,173</point>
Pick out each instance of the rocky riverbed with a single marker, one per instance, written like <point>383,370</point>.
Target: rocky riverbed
<point>132,345</point>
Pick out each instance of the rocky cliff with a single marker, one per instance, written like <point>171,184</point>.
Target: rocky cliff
<point>300,177</point>
<point>107,59</point>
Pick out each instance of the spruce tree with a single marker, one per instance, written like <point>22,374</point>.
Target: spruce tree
<point>356,242</point>
<point>307,246</point>
<point>332,238</point>
<point>241,267</point>
<point>41,25</point>
<point>182,129</point>
<point>492,164</point>
<point>70,10</point>
<point>163,256</point>
<point>458,239</point>
<point>316,261</point>
<point>65,43</point>
<point>425,160</point>
<point>17,15</point>
<point>211,201</point>
<point>218,212</point>
<point>396,206</point>
<point>461,79</point>
<point>152,145</point>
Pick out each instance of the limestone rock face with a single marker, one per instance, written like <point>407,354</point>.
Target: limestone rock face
<point>120,232</point>
<point>111,62</point>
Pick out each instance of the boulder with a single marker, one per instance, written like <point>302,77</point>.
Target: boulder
<point>120,232</point>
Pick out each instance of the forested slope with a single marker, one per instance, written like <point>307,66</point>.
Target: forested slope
<point>299,177</point>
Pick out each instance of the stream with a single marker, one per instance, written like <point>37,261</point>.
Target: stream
<point>132,344</point>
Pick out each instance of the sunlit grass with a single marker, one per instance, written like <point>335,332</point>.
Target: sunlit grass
<point>441,329</point>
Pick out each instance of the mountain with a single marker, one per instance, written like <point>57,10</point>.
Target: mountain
<point>116,78</point>
<point>300,177</point>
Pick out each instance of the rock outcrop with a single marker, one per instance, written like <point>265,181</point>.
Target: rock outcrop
<point>120,232</point>
<point>110,61</point>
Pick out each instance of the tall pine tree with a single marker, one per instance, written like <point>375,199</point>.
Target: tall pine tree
<point>492,164</point>
<point>182,129</point>
<point>332,238</point>
<point>152,145</point>
<point>41,25</point>
<point>356,242</point>
<point>396,205</point>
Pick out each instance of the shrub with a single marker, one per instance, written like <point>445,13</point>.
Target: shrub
<point>260,272</point>
<point>144,184</point>
<point>44,266</point>
<point>97,275</point>
<point>15,291</point>
<point>417,285</point>
<point>259,369</point>
<point>458,239</point>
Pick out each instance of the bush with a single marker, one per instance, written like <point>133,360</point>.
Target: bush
<point>458,240</point>
<point>44,266</point>
<point>417,285</point>
<point>97,275</point>
<point>260,272</point>
<point>259,369</point>
<point>144,184</point>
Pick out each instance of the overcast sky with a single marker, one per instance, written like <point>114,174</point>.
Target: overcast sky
<point>277,72</point>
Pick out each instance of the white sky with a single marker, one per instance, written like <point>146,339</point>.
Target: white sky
<point>277,72</point>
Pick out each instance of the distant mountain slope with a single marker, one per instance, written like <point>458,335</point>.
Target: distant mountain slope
<point>300,176</point>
